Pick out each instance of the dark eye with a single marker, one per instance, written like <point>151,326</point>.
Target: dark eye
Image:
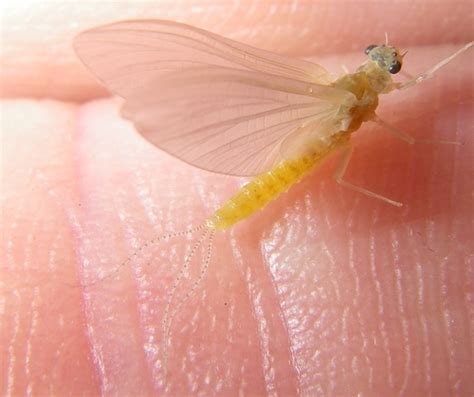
<point>395,67</point>
<point>370,48</point>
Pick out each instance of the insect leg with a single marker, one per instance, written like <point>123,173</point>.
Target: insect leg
<point>430,72</point>
<point>394,131</point>
<point>341,170</point>
<point>406,137</point>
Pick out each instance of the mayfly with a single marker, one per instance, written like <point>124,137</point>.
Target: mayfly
<point>229,108</point>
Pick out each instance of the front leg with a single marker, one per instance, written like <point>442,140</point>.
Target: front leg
<point>430,72</point>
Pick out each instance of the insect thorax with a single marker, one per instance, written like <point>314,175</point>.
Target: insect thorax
<point>366,84</point>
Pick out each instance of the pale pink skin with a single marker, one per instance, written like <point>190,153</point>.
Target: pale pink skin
<point>325,292</point>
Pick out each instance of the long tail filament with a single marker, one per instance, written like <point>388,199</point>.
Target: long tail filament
<point>168,316</point>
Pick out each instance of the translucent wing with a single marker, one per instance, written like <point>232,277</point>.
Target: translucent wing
<point>210,101</point>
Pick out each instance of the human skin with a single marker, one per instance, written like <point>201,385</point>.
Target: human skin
<point>324,292</point>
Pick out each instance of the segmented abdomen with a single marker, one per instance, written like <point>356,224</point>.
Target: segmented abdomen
<point>266,187</point>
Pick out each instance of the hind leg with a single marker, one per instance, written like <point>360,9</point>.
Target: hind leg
<point>339,177</point>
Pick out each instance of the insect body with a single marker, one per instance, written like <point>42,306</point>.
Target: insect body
<point>229,108</point>
<point>266,187</point>
<point>366,84</point>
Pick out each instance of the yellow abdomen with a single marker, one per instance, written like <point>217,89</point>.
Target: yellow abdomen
<point>268,186</point>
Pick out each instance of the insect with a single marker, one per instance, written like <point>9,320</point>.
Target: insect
<point>229,108</point>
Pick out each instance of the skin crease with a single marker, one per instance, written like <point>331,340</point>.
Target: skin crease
<point>325,292</point>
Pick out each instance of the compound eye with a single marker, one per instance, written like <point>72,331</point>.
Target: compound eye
<point>370,48</point>
<point>395,67</point>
